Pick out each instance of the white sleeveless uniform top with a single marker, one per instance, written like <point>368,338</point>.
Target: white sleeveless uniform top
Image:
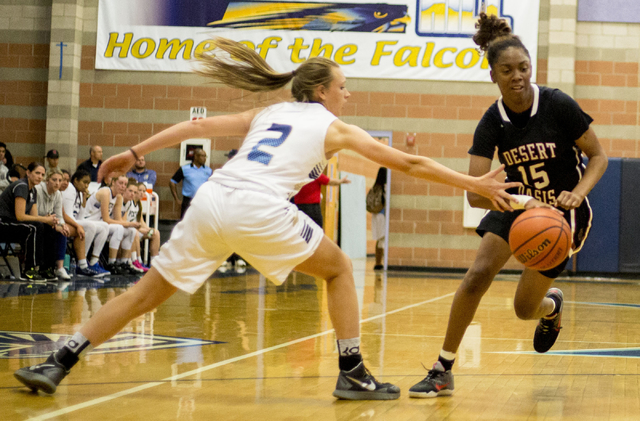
<point>72,203</point>
<point>130,211</point>
<point>92,208</point>
<point>283,151</point>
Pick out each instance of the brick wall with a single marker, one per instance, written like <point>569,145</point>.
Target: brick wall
<point>23,98</point>
<point>24,62</point>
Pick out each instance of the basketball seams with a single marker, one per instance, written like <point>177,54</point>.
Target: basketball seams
<point>536,235</point>
<point>538,216</point>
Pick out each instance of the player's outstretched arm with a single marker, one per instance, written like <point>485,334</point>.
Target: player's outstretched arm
<point>344,136</point>
<point>218,126</point>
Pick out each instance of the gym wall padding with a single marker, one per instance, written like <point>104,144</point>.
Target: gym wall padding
<point>600,252</point>
<point>630,217</point>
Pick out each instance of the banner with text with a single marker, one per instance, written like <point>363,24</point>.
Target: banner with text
<point>420,39</point>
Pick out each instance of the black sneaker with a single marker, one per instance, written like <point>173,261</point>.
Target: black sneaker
<point>33,275</point>
<point>437,383</point>
<point>127,270</point>
<point>359,384</point>
<point>46,376</point>
<point>48,274</point>
<point>548,329</point>
<point>115,269</point>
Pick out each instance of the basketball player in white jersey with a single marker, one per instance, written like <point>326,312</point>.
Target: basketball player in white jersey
<point>129,214</point>
<point>74,200</point>
<point>244,208</point>
<point>101,206</point>
<point>144,232</point>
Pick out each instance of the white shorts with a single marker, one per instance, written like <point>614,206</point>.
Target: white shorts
<point>268,232</point>
<point>377,226</point>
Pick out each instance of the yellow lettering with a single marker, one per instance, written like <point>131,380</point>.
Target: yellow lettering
<point>123,46</point>
<point>296,48</point>
<point>514,156</point>
<point>462,55</point>
<point>439,58</point>
<point>485,63</point>
<point>345,51</point>
<point>428,52</point>
<point>375,61</point>
<point>317,49</point>
<point>268,44</point>
<point>523,153</point>
<point>412,58</point>
<point>532,151</point>
<point>552,149</point>
<point>249,44</point>
<point>507,158</point>
<point>203,47</point>
<point>150,46</point>
<point>542,151</point>
<point>175,45</point>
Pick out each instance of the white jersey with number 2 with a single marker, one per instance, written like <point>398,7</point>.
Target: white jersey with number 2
<point>283,151</point>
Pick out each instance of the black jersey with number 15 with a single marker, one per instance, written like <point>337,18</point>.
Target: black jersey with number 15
<point>538,147</point>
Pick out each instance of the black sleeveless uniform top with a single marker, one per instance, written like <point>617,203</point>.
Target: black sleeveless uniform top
<point>538,147</point>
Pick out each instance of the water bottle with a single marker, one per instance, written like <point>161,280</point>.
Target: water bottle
<point>72,267</point>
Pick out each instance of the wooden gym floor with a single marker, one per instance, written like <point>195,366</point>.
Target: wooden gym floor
<point>242,348</point>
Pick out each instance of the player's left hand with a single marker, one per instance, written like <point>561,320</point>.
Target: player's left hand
<point>116,165</point>
<point>569,200</point>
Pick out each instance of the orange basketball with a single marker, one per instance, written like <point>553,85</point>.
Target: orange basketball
<point>540,238</point>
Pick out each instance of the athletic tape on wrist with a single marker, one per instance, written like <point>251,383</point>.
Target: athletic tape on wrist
<point>518,201</point>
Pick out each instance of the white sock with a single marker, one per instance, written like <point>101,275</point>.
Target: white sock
<point>111,261</point>
<point>83,263</point>
<point>122,260</point>
<point>348,347</point>
<point>134,255</point>
<point>551,315</point>
<point>94,260</point>
<point>447,355</point>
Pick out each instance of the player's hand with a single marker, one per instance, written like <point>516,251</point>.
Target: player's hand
<point>535,203</point>
<point>569,200</point>
<point>116,165</point>
<point>495,190</point>
<point>80,231</point>
<point>144,230</point>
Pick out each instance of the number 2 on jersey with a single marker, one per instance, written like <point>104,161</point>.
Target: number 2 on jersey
<point>264,157</point>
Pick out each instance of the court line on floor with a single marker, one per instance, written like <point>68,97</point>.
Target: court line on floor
<point>150,385</point>
<point>405,335</point>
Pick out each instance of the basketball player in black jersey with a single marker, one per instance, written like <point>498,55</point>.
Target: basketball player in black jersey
<point>540,135</point>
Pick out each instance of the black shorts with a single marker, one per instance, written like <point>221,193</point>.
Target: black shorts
<point>579,219</point>
<point>313,210</point>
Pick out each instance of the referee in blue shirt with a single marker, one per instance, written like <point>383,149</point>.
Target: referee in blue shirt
<point>192,176</point>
